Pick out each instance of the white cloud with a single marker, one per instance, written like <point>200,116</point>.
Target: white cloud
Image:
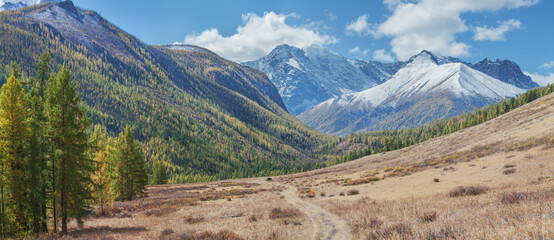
<point>356,49</point>
<point>547,65</point>
<point>496,34</point>
<point>382,55</point>
<point>433,24</point>
<point>391,4</point>
<point>258,36</point>
<point>542,80</point>
<point>361,26</point>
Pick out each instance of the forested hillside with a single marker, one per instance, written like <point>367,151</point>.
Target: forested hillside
<point>203,117</point>
<point>357,145</point>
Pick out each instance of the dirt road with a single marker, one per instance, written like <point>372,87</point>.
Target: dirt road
<point>325,225</point>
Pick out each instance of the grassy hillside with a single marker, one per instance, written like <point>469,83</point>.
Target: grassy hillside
<point>204,117</point>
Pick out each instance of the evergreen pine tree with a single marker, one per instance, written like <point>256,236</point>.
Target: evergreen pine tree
<point>67,125</point>
<point>160,173</point>
<point>14,134</point>
<point>37,164</point>
<point>131,175</point>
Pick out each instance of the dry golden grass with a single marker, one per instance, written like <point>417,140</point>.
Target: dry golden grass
<point>452,187</point>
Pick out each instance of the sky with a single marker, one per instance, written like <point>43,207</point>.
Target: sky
<point>387,30</point>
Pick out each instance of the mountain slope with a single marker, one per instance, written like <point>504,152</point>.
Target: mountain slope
<point>307,77</point>
<point>420,92</point>
<point>203,116</point>
<point>506,71</point>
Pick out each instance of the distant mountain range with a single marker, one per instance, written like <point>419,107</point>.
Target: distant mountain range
<point>16,4</point>
<point>404,94</point>
<point>307,77</point>
<point>203,116</point>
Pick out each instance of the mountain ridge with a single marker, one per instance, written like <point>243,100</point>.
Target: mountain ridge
<point>306,77</point>
<point>423,90</point>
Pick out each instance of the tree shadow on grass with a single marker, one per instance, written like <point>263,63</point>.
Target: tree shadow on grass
<point>105,230</point>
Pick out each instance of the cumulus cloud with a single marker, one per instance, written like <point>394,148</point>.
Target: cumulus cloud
<point>361,26</point>
<point>433,24</point>
<point>547,65</point>
<point>382,55</point>
<point>357,50</point>
<point>542,80</point>
<point>257,36</point>
<point>496,34</point>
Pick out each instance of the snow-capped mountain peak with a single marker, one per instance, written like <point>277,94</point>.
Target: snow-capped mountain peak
<point>308,76</point>
<point>16,4</point>
<point>450,88</point>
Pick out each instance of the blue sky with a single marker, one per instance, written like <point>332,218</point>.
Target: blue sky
<point>388,30</point>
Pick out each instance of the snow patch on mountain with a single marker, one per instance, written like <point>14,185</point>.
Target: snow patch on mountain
<point>294,63</point>
<point>16,4</point>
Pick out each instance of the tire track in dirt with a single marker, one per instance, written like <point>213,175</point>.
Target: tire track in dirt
<point>325,225</point>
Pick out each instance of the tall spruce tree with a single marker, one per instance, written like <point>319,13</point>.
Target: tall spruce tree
<point>14,135</point>
<point>131,175</point>
<point>160,173</point>
<point>37,164</point>
<point>67,125</point>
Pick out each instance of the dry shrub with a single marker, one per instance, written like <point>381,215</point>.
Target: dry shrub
<point>443,233</point>
<point>397,231</point>
<point>509,166</point>
<point>274,236</point>
<point>512,198</point>
<point>428,216</point>
<point>436,180</point>
<point>161,211</point>
<point>283,213</point>
<point>365,223</point>
<point>351,182</point>
<point>467,191</point>
<point>109,211</point>
<point>255,218</point>
<point>322,194</point>
<point>192,219</point>
<point>221,235</point>
<point>341,194</point>
<point>509,171</point>
<point>167,232</point>
<point>353,192</point>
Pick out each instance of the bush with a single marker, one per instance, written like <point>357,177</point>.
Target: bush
<point>512,198</point>
<point>509,166</point>
<point>192,219</point>
<point>444,233</point>
<point>467,191</point>
<point>436,180</point>
<point>341,194</point>
<point>352,192</point>
<point>283,213</point>
<point>398,231</point>
<point>167,232</point>
<point>428,216</point>
<point>509,171</point>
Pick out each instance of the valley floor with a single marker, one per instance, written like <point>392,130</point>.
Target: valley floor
<point>491,181</point>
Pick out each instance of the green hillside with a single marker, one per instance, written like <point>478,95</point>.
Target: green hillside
<point>202,116</point>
